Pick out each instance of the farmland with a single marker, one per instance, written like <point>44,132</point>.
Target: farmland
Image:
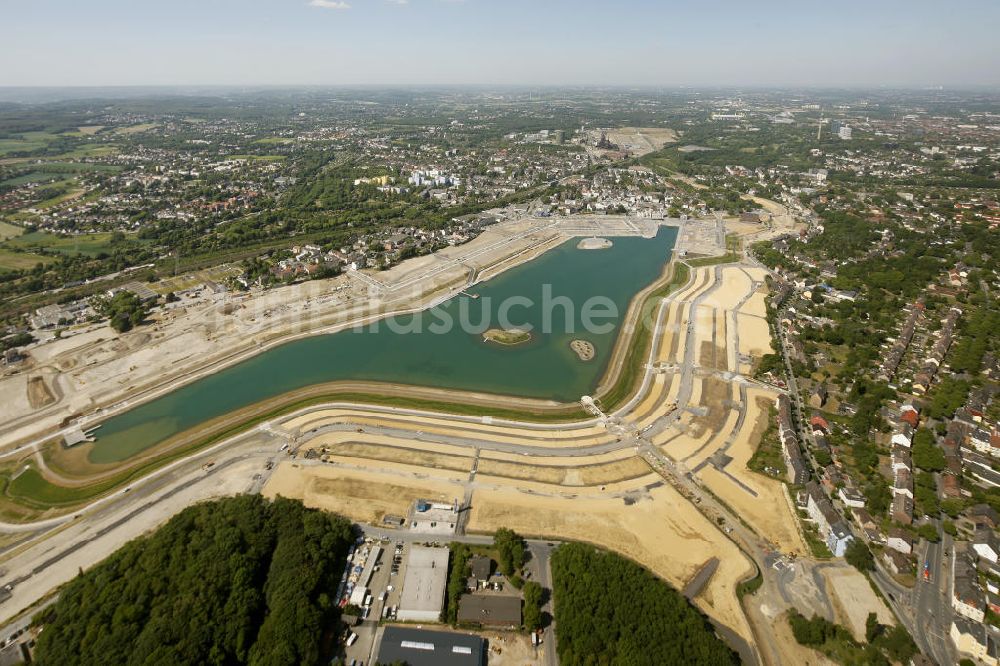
<point>87,244</point>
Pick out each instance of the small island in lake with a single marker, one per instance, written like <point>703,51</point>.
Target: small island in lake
<point>513,336</point>
<point>594,243</point>
<point>585,351</point>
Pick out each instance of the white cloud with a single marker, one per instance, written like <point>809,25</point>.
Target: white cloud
<point>398,2</point>
<point>329,4</point>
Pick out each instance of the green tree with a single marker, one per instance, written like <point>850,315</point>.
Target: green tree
<point>457,576</point>
<point>237,581</point>
<point>928,532</point>
<point>532,605</point>
<point>859,556</point>
<point>872,627</point>
<point>897,644</point>
<point>125,310</point>
<point>612,611</point>
<point>927,455</point>
<point>511,551</point>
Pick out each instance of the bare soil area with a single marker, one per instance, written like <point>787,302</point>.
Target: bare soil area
<point>854,600</point>
<point>39,394</point>
<point>660,530</point>
<point>360,495</point>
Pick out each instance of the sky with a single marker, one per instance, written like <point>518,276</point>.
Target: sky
<point>815,43</point>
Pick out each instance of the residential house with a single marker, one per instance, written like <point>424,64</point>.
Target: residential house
<point>902,509</point>
<point>909,414</point>
<point>901,459</point>
<point>839,538</point>
<point>797,470</point>
<point>868,525</point>
<point>895,354</point>
<point>903,484</point>
<point>897,562</point>
<point>818,396</point>
<point>818,423</point>
<point>851,497</point>
<point>480,568</point>
<point>974,640</point>
<point>985,544</point>
<point>832,478</point>
<point>951,486</point>
<point>831,526</point>
<point>967,598</point>
<point>986,441</point>
<point>983,515</point>
<point>993,601</point>
<point>902,435</point>
<point>900,541</point>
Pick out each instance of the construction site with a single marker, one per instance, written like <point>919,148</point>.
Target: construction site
<point>660,476</point>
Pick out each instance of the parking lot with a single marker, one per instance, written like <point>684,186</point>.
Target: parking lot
<point>385,588</point>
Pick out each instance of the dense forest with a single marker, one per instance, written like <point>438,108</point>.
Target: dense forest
<point>236,581</point>
<point>610,610</point>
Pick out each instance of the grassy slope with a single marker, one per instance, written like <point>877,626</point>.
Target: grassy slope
<point>88,244</point>
<point>8,230</point>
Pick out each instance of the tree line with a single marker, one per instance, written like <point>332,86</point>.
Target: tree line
<point>241,580</point>
<point>610,610</point>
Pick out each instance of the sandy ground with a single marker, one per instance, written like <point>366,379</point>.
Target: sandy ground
<point>735,285</point>
<point>409,457</point>
<point>572,472</point>
<point>510,649</point>
<point>361,495</point>
<point>855,600</point>
<point>590,459</point>
<point>442,425</point>
<point>755,336</point>
<point>39,394</point>
<point>790,651</point>
<point>14,394</point>
<point>637,140</point>
<point>661,531</point>
<point>345,442</point>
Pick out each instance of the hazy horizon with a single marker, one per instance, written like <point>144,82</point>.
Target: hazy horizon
<point>428,43</point>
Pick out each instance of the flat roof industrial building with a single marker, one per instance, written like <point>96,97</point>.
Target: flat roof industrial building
<point>490,610</point>
<point>424,583</point>
<point>417,647</point>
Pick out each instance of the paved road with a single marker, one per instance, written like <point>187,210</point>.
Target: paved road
<point>90,534</point>
<point>541,568</point>
<point>931,604</point>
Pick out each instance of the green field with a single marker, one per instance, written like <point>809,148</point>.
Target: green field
<point>55,171</point>
<point>76,167</point>
<point>31,489</point>
<point>101,150</point>
<point>258,158</point>
<point>88,244</point>
<point>17,261</point>
<point>68,192</point>
<point>274,140</point>
<point>9,230</point>
<point>85,130</point>
<point>727,258</point>
<point>135,129</point>
<point>32,177</point>
<point>27,141</point>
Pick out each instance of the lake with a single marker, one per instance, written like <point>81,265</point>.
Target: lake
<point>413,350</point>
